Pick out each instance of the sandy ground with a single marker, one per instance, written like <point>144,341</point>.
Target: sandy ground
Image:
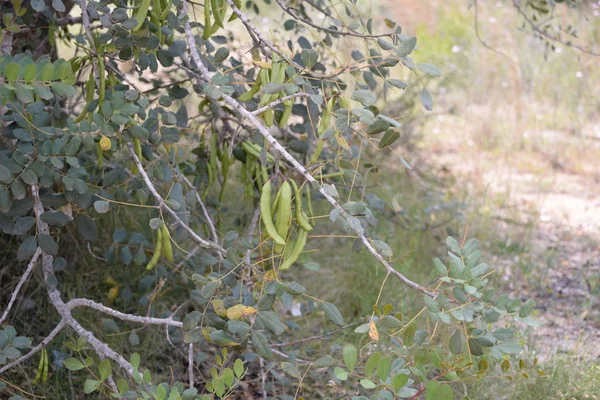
<point>553,212</point>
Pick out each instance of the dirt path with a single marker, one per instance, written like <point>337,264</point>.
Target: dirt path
<point>551,242</point>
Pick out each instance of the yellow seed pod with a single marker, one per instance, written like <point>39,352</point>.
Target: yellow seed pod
<point>238,311</point>
<point>219,308</point>
<point>105,143</point>
<point>113,293</point>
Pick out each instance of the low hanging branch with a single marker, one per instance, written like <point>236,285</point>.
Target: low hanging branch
<point>244,113</point>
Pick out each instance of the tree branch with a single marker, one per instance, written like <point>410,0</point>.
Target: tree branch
<point>37,348</point>
<point>299,167</point>
<point>541,32</point>
<point>101,348</point>
<point>288,10</point>
<point>24,277</point>
<point>254,30</point>
<point>79,302</point>
<point>164,206</point>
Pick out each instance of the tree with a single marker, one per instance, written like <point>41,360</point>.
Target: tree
<point>213,109</point>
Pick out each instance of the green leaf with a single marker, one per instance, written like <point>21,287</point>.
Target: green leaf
<point>62,89</point>
<point>350,356</point>
<point>384,366</point>
<point>134,339</point>
<point>191,320</point>
<point>426,99</point>
<point>135,360</point>
<point>325,361</point>
<point>365,97</point>
<point>378,127</point>
<point>372,363</point>
<point>29,72</point>
<point>91,386</point>
<point>44,92</point>
<point>391,135</point>
<point>54,218</point>
<point>12,71</point>
<point>261,344</point>
<point>47,244</point>
<point>73,364</point>
<point>309,58</point>
<point>408,336</point>
<point>340,373</point>
<point>6,176</point>
<point>527,308</point>
<point>406,46</point>
<point>271,321</point>
<point>290,369</point>
<point>105,369</point>
<point>139,132</point>
<point>456,342</point>
<point>58,5</point>
<point>27,248</point>
<point>29,177</point>
<point>429,69</point>
<point>504,334</point>
<point>439,265</point>
<point>475,348</point>
<point>333,314</point>
<point>384,44</point>
<point>223,338</point>
<point>398,83</point>
<point>86,227</point>
<point>509,348</point>
<point>437,391</point>
<point>367,384</point>
<point>101,206</point>
<point>383,248</point>
<point>399,381</point>
<point>238,368</point>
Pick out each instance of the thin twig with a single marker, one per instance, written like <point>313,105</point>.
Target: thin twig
<point>311,338</point>
<point>37,348</point>
<point>263,378</point>
<point>263,40</point>
<point>288,10</point>
<point>22,281</point>
<point>191,364</point>
<point>164,206</point>
<point>209,221</point>
<point>279,101</point>
<point>548,36</point>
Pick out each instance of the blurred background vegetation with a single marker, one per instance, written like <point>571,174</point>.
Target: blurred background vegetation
<point>509,155</point>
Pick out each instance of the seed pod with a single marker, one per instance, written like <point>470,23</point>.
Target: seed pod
<point>207,22</point>
<point>157,250</point>
<point>284,213</point>
<point>141,14</point>
<point>287,112</point>
<point>301,218</point>
<point>265,213</point>
<point>296,252</point>
<point>167,249</point>
<point>40,369</point>
<point>45,369</point>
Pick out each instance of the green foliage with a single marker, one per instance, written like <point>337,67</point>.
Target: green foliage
<point>84,146</point>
